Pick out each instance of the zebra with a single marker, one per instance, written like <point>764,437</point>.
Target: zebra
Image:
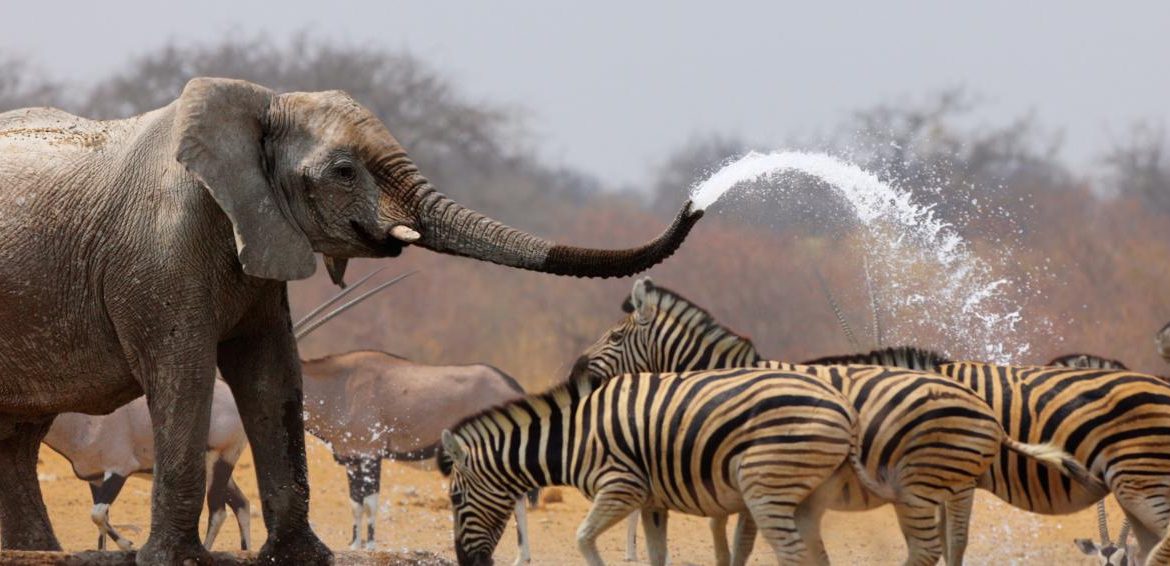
<point>926,438</point>
<point>1110,552</point>
<point>1115,422</point>
<point>767,442</point>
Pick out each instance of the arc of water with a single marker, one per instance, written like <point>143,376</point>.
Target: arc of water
<point>963,291</point>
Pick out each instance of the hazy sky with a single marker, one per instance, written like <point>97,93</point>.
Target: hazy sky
<point>612,87</point>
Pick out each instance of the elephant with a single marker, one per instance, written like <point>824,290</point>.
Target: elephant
<point>138,255</point>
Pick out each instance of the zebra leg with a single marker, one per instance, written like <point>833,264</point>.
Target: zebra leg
<point>103,497</point>
<point>242,509</point>
<point>745,539</point>
<point>521,512</point>
<point>365,475</point>
<point>955,522</point>
<point>919,524</point>
<point>654,523</point>
<point>719,536</point>
<point>808,522</point>
<point>1147,540</point>
<point>777,523</point>
<point>632,538</point>
<point>611,504</point>
<point>1146,506</point>
<point>1159,555</point>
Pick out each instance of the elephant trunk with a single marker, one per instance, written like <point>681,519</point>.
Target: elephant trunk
<point>448,227</point>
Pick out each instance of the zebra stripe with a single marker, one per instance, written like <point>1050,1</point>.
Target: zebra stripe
<point>1115,423</point>
<point>925,439</point>
<point>708,443</point>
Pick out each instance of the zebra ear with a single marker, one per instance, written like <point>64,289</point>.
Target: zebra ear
<point>453,450</point>
<point>641,306</point>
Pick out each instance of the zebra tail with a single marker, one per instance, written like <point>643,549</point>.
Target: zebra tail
<point>1065,462</point>
<point>867,481</point>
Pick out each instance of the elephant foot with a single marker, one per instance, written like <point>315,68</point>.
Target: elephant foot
<point>184,550</point>
<point>297,547</point>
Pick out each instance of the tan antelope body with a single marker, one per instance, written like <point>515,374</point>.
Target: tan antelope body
<point>104,450</point>
<point>369,406</point>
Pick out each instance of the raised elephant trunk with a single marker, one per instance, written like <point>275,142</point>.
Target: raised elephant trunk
<point>448,227</point>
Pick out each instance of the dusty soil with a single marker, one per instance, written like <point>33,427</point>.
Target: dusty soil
<point>414,517</point>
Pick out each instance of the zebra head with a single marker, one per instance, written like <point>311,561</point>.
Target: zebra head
<point>480,512</point>
<point>662,331</point>
<point>1162,340</point>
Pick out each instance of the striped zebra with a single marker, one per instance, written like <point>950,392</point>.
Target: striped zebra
<point>1109,552</point>
<point>1115,422</point>
<point>925,439</point>
<point>706,443</point>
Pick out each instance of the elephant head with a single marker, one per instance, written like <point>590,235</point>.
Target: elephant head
<point>303,172</point>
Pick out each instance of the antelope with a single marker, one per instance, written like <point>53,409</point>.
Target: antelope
<point>369,405</point>
<point>104,450</point>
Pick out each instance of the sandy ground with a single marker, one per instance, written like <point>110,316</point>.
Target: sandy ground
<point>414,516</point>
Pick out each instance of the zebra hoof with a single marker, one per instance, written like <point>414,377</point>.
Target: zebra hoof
<point>369,545</point>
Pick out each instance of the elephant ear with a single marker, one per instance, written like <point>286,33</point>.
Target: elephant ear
<point>221,127</point>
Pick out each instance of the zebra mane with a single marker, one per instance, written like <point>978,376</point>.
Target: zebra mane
<point>1086,361</point>
<point>702,322</point>
<point>577,385</point>
<point>910,357</point>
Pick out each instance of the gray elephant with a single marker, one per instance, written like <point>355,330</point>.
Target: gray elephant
<point>137,255</point>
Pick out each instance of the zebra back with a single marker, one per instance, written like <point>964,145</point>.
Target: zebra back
<point>909,357</point>
<point>1112,421</point>
<point>1088,361</point>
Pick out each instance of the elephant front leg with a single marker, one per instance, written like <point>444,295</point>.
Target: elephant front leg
<point>265,377</point>
<point>24,522</point>
<point>178,394</point>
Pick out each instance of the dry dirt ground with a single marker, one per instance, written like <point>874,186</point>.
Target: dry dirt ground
<point>414,516</point>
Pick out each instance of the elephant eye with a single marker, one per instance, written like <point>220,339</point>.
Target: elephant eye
<point>343,171</point>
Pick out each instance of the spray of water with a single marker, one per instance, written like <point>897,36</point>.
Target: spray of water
<point>961,298</point>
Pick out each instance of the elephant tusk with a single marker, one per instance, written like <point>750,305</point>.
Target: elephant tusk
<point>405,234</point>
